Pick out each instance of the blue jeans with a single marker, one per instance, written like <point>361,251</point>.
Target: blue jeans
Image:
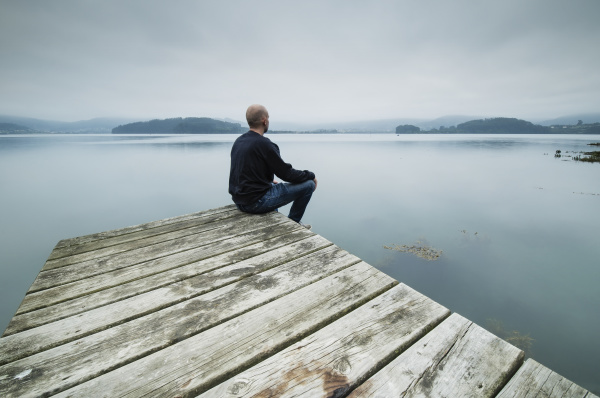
<point>280,195</point>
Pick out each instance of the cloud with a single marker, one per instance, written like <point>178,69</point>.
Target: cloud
<point>328,61</point>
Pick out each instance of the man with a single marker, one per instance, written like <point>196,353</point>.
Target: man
<point>255,160</point>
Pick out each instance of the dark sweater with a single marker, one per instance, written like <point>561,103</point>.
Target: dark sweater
<point>255,160</point>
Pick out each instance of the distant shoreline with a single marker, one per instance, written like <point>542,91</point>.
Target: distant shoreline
<point>573,124</point>
<point>46,133</point>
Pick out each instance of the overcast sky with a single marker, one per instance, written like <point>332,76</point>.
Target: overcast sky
<point>307,61</point>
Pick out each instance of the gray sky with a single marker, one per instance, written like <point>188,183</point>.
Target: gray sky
<point>311,61</point>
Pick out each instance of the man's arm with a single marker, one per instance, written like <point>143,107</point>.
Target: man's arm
<point>284,170</point>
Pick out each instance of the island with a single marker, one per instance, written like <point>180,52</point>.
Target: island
<point>188,125</point>
<point>503,125</point>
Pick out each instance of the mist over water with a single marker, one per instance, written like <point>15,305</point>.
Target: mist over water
<point>517,227</point>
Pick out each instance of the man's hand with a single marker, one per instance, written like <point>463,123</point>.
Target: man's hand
<point>315,180</point>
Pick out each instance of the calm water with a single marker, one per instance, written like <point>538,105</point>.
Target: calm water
<point>517,227</point>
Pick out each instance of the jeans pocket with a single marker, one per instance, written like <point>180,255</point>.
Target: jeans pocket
<point>260,203</point>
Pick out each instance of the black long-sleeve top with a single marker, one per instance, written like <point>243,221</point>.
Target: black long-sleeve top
<point>255,160</point>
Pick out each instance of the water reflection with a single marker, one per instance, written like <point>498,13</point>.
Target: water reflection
<point>519,246</point>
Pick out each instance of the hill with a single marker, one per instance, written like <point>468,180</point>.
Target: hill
<point>501,125</point>
<point>97,125</point>
<point>587,118</point>
<point>12,128</point>
<point>189,125</point>
<point>504,125</point>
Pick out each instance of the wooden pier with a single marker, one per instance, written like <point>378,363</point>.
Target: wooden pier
<point>225,304</point>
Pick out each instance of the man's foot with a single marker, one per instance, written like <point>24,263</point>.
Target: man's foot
<point>307,226</point>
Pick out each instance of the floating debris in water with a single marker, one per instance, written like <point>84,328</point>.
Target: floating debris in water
<point>467,234</point>
<point>592,157</point>
<point>581,156</point>
<point>419,249</point>
<point>514,337</point>
<point>473,239</point>
<point>587,193</point>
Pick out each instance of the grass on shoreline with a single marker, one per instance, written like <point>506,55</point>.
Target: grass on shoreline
<point>589,157</point>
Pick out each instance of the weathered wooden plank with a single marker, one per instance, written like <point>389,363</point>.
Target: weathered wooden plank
<point>88,298</point>
<point>535,380</point>
<point>337,358</point>
<point>73,363</point>
<point>178,233</point>
<point>235,246</point>
<point>70,250</point>
<point>196,364</point>
<point>456,359</point>
<point>86,269</point>
<point>50,335</point>
<point>140,227</point>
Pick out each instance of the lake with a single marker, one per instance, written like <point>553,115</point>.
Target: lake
<point>517,228</point>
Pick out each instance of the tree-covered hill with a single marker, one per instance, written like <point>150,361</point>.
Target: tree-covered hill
<point>504,125</point>
<point>501,125</point>
<point>12,128</point>
<point>407,129</point>
<point>189,125</point>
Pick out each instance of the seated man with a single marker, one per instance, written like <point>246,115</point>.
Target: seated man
<point>254,162</point>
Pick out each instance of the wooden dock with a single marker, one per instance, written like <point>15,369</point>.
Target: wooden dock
<point>225,304</point>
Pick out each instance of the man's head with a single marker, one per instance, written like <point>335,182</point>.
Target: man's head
<point>257,117</point>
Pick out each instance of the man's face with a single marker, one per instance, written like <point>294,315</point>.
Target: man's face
<point>266,123</point>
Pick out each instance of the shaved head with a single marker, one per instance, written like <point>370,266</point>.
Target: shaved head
<point>255,115</point>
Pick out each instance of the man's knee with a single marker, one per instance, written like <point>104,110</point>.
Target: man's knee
<point>306,188</point>
<point>310,185</point>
